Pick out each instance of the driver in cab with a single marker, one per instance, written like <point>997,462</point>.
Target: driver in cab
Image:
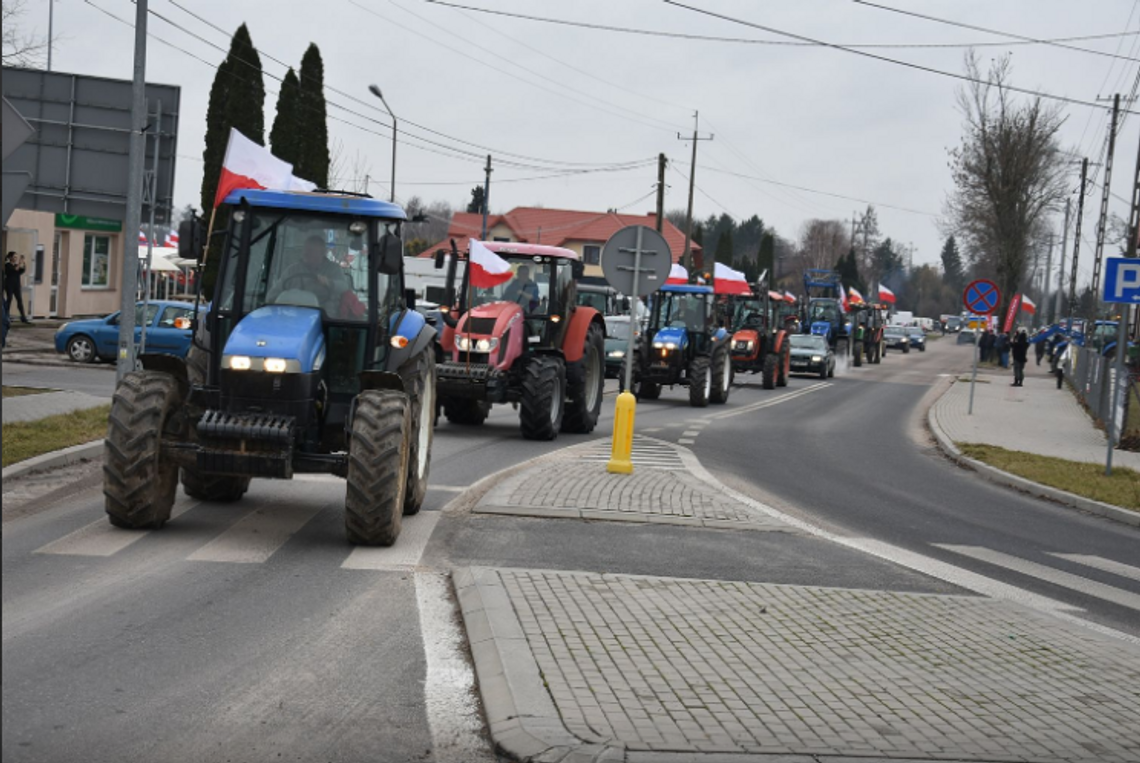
<point>523,291</point>
<point>316,274</point>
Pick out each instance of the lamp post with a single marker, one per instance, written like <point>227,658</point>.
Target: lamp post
<point>375,90</point>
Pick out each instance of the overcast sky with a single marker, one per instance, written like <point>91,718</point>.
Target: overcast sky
<point>810,116</point>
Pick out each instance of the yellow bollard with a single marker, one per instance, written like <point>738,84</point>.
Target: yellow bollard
<point>620,458</point>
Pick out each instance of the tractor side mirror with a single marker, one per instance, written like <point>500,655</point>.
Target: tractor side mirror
<point>577,269</point>
<point>390,254</point>
<point>440,259</point>
<point>625,304</point>
<point>410,298</point>
<point>190,239</point>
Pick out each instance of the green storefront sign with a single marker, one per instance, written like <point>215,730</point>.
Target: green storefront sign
<point>87,223</point>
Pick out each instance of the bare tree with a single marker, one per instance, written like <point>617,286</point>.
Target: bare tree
<point>823,242</point>
<point>20,49</point>
<point>1009,175</point>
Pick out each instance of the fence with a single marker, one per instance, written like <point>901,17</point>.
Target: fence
<point>1093,379</point>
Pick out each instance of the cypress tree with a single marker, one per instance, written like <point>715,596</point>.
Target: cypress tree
<point>283,136</point>
<point>216,135</point>
<point>313,131</point>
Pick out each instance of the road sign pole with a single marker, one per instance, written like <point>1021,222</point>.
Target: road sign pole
<point>974,376</point>
<point>633,309</point>
<point>1121,351</point>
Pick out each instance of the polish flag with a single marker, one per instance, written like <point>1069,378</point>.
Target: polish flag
<point>843,303</point>
<point>856,297</point>
<point>248,165</point>
<point>776,296</point>
<point>678,276</point>
<point>488,269</point>
<point>790,297</point>
<point>886,295</point>
<point>171,239</point>
<point>1028,305</point>
<point>142,238</point>
<point>729,281</point>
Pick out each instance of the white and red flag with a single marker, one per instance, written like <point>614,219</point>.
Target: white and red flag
<point>729,281</point>
<point>886,295</point>
<point>775,296</point>
<point>171,239</point>
<point>1028,305</point>
<point>855,296</point>
<point>248,165</point>
<point>488,269</point>
<point>142,238</point>
<point>790,297</point>
<point>678,276</point>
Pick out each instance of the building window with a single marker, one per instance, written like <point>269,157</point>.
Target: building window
<point>96,262</point>
<point>592,255</point>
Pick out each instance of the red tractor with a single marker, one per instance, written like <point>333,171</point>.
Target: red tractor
<point>759,337</point>
<point>524,341</point>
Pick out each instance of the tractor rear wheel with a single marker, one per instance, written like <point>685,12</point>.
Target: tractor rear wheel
<point>768,378</point>
<point>785,367</point>
<point>584,384</point>
<point>858,355</point>
<point>647,390</point>
<point>700,382</point>
<point>465,411</point>
<point>418,374</point>
<point>377,467</point>
<point>721,375</point>
<point>543,395</point>
<point>878,353</point>
<point>138,483</point>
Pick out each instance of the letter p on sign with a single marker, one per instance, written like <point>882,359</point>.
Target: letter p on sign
<point>1122,280</point>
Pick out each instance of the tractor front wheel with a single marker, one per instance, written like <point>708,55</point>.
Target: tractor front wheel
<point>418,374</point>
<point>785,367</point>
<point>584,385</point>
<point>721,375</point>
<point>647,390</point>
<point>768,379</point>
<point>543,395</point>
<point>138,483</point>
<point>858,355</point>
<point>700,382</point>
<point>377,467</point>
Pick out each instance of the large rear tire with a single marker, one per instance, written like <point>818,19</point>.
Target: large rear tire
<point>858,354</point>
<point>377,467</point>
<point>785,367</point>
<point>139,485</point>
<point>585,382</point>
<point>418,374</point>
<point>700,382</point>
<point>878,353</point>
<point>544,392</point>
<point>465,411</point>
<point>771,370</point>
<point>721,375</point>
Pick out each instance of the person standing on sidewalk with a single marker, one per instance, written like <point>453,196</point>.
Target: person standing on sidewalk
<point>1002,346</point>
<point>1020,347</point>
<point>1039,346</point>
<point>985,346</point>
<point>14,269</point>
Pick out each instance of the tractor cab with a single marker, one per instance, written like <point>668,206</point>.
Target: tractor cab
<point>759,339</point>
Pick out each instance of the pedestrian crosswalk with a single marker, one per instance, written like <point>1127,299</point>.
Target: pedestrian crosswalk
<point>647,453</point>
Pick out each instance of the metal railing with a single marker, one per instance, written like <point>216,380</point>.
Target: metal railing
<point>1092,377</point>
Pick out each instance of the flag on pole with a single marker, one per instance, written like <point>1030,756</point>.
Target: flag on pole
<point>142,238</point>
<point>1028,305</point>
<point>248,165</point>
<point>855,297</point>
<point>171,240</point>
<point>776,296</point>
<point>886,295</point>
<point>488,269</point>
<point>678,276</point>
<point>729,281</point>
<point>1011,313</point>
<point>790,297</point>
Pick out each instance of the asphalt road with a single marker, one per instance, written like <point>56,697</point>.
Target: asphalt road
<point>97,379</point>
<point>253,632</point>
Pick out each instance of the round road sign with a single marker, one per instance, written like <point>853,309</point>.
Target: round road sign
<point>619,256</point>
<point>981,297</point>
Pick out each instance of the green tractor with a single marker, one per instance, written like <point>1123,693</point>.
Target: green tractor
<point>311,359</point>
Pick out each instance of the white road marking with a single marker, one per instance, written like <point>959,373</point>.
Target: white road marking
<point>1049,575</point>
<point>691,433</point>
<point>652,429</point>
<point>255,537</point>
<point>684,441</point>
<point>449,683</point>
<point>775,401</point>
<point>404,555</point>
<point>101,538</point>
<point>1108,565</point>
<point>447,488</point>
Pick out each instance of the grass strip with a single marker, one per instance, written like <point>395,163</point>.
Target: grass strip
<point>21,391</point>
<point>25,439</point>
<point>1083,479</point>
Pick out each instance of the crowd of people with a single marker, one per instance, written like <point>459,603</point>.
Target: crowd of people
<point>1003,349</point>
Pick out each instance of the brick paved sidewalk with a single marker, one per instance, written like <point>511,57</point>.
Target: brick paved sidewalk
<point>1037,418</point>
<point>636,668</point>
<point>661,490</point>
<point>35,407</point>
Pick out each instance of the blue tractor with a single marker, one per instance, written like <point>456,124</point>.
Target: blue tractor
<point>683,345</point>
<point>825,312</point>
<point>311,359</point>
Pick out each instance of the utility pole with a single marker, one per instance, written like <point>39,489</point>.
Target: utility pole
<point>1061,272</point>
<point>486,197</point>
<point>1103,223</point>
<point>1077,240</point>
<point>687,255</point>
<point>1047,279</point>
<point>136,160</point>
<point>150,191</point>
<point>661,161</point>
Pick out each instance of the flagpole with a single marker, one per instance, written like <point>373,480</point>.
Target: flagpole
<point>470,300</point>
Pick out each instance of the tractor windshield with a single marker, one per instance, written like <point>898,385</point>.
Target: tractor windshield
<point>681,310</point>
<point>529,287</point>
<point>305,260</point>
<point>600,301</point>
<point>747,314</point>
<point>824,311</point>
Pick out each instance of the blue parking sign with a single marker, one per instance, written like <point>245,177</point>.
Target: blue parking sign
<point>1121,280</point>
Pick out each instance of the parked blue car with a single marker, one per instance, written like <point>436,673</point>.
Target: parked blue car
<point>98,338</point>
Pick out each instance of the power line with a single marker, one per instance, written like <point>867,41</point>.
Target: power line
<point>753,41</point>
<point>885,59</point>
<point>991,31</point>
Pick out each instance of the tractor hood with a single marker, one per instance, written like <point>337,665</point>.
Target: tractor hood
<point>821,328</point>
<point>292,334</point>
<point>490,320</point>
<point>746,335</point>
<point>672,334</point>
<point>491,333</point>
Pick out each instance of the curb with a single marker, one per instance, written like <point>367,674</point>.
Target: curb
<point>521,715</point>
<point>1005,479</point>
<point>87,451</point>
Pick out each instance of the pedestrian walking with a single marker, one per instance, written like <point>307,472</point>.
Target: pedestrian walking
<point>14,268</point>
<point>1020,348</point>
<point>1039,348</point>
<point>1002,347</point>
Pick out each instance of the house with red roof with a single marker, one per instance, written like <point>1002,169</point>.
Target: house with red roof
<point>583,232</point>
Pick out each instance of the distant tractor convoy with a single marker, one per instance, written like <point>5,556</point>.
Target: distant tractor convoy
<point>313,358</point>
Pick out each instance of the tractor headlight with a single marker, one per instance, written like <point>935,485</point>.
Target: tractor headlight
<point>487,345</point>
<point>275,365</point>
<point>462,343</point>
<point>241,363</point>
<point>816,358</point>
<point>617,353</point>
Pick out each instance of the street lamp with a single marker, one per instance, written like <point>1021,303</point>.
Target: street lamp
<point>375,90</point>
